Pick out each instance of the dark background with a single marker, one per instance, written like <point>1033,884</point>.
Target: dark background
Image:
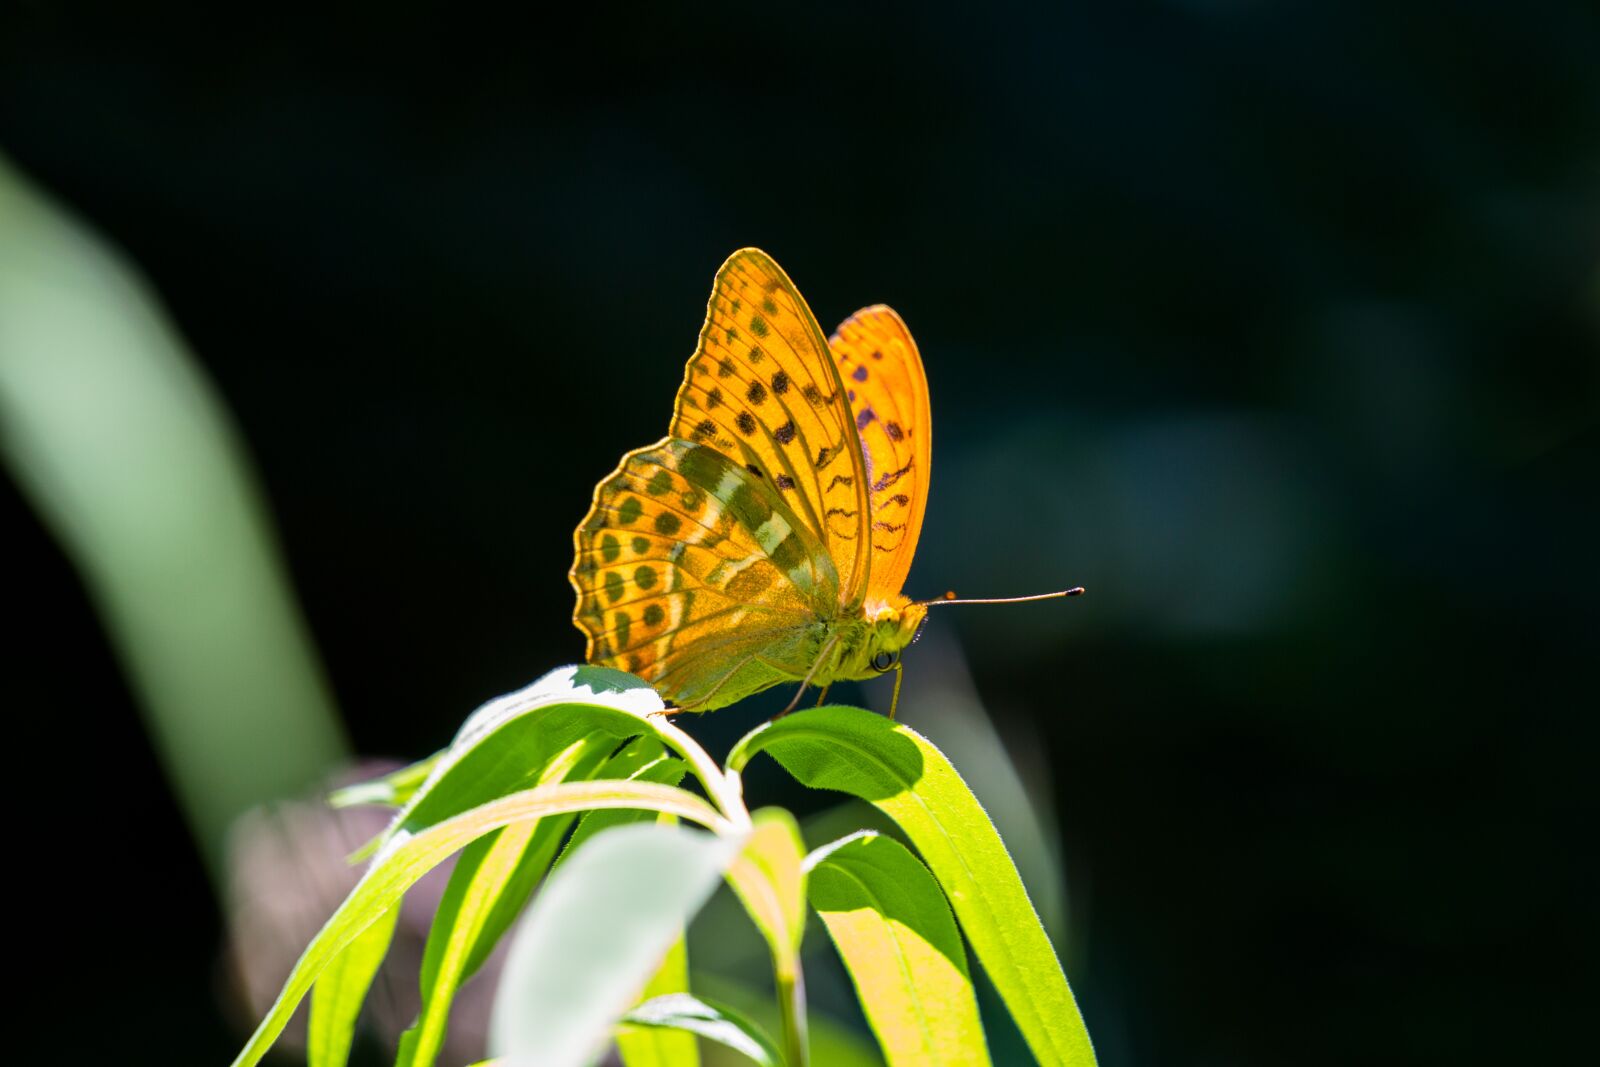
<point>1274,325</point>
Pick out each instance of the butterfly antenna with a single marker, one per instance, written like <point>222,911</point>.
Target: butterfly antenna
<point>951,598</point>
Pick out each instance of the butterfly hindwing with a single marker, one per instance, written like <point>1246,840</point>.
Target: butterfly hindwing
<point>763,389</point>
<point>888,394</point>
<point>697,575</point>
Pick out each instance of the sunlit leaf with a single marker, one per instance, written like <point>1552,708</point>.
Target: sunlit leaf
<point>490,882</point>
<point>338,995</point>
<point>506,744</point>
<point>900,772</point>
<point>770,882</point>
<point>405,860</point>
<point>893,929</point>
<point>644,760</point>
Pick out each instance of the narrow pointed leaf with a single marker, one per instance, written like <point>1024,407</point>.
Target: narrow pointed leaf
<point>338,995</point>
<point>470,917</point>
<point>390,790</point>
<point>712,1021</point>
<point>403,861</point>
<point>893,928</point>
<point>768,878</point>
<point>904,775</point>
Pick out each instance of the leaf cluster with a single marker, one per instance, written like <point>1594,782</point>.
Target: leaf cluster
<point>566,803</point>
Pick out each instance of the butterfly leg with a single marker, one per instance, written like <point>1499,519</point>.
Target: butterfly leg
<point>822,657</point>
<point>894,701</point>
<point>824,694</point>
<point>798,693</point>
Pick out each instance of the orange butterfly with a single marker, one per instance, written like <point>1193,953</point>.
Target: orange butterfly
<point>766,537</point>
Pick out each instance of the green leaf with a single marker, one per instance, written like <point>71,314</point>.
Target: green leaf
<point>600,926</point>
<point>714,1022</point>
<point>644,760</point>
<point>490,882</point>
<point>506,744</point>
<point>337,997</point>
<point>893,929</point>
<point>658,1046</point>
<point>404,860</point>
<point>513,897</point>
<point>391,790</point>
<point>901,773</point>
<point>769,880</point>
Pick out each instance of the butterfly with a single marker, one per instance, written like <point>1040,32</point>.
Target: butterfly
<point>766,538</point>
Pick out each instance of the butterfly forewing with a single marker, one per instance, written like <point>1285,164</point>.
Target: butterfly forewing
<point>690,569</point>
<point>888,394</point>
<point>763,389</point>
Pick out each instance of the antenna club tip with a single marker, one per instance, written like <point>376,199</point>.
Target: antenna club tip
<point>1076,590</point>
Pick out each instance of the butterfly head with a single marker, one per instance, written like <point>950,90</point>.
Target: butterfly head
<point>888,628</point>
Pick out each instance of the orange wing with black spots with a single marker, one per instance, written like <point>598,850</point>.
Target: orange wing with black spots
<point>697,576</point>
<point>763,389</point>
<point>888,394</point>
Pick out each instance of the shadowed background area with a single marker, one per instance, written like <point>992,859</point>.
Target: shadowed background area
<point>1275,328</point>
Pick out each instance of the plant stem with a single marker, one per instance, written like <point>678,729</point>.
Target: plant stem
<point>726,790</point>
<point>792,1003</point>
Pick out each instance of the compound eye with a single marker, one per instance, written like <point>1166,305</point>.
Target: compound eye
<point>883,661</point>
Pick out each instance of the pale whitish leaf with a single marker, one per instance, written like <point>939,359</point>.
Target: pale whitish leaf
<point>593,936</point>
<point>661,1046</point>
